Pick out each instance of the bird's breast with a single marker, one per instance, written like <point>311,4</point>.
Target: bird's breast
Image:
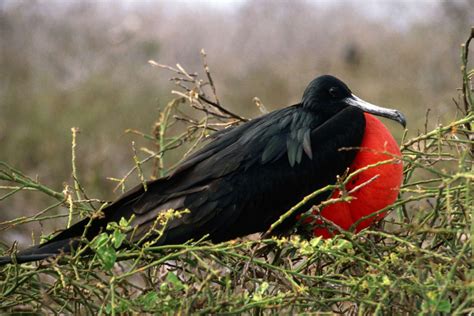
<point>374,188</point>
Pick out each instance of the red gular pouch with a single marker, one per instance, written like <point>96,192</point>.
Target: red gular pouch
<point>377,145</point>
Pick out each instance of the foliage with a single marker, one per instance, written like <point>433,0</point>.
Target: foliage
<point>419,260</point>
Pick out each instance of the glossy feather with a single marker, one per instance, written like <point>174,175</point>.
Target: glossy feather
<point>243,179</point>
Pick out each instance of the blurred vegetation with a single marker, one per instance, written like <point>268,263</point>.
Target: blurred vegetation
<point>418,261</point>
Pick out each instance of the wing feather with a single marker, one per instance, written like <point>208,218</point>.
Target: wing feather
<point>244,178</point>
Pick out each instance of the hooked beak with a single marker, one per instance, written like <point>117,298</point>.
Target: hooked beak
<point>376,110</point>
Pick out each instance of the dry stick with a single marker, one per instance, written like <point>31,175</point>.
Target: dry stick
<point>440,129</point>
<point>215,104</point>
<point>201,124</point>
<point>169,146</point>
<point>192,98</point>
<point>75,178</point>
<point>163,127</point>
<point>466,89</point>
<point>192,79</point>
<point>198,140</point>
<point>70,204</point>
<point>222,109</point>
<point>78,188</point>
<point>156,64</point>
<point>209,77</point>
<point>466,86</point>
<point>139,167</point>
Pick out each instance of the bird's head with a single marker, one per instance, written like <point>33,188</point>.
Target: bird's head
<point>327,94</point>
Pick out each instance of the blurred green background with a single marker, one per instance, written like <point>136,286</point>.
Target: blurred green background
<point>84,64</point>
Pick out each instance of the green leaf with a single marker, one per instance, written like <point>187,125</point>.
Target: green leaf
<point>173,279</point>
<point>444,306</point>
<point>123,223</point>
<point>148,300</point>
<point>108,308</point>
<point>100,241</point>
<point>122,306</point>
<point>106,253</point>
<point>112,226</point>
<point>107,256</point>
<point>117,238</point>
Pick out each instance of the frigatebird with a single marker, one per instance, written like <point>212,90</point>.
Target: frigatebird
<point>246,176</point>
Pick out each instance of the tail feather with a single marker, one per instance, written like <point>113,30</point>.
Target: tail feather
<point>40,252</point>
<point>68,239</point>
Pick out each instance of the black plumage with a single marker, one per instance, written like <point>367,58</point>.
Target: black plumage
<point>244,178</point>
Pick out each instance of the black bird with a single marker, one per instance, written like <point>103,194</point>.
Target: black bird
<point>245,177</point>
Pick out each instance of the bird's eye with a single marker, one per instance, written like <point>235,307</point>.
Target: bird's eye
<point>333,92</point>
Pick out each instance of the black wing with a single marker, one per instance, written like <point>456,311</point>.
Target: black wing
<point>241,181</point>
<point>245,178</point>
